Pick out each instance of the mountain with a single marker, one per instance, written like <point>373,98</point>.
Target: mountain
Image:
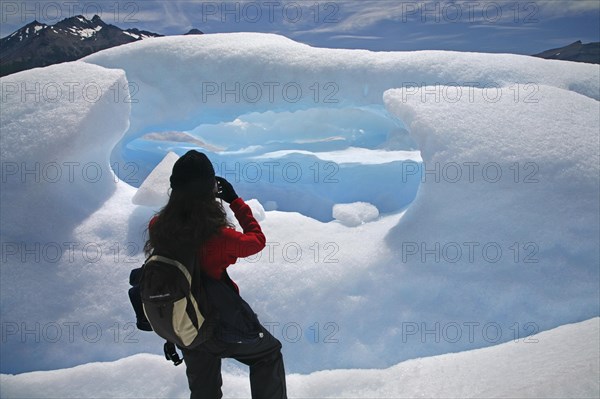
<point>579,52</point>
<point>195,32</point>
<point>37,44</point>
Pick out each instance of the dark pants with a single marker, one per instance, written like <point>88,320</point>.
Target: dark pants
<point>267,375</point>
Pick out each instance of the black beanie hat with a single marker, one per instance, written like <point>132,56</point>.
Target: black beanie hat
<point>193,169</point>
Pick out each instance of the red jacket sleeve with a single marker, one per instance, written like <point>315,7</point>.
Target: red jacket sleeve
<point>224,249</point>
<point>252,240</point>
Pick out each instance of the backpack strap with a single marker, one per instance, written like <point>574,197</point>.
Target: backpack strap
<point>178,265</point>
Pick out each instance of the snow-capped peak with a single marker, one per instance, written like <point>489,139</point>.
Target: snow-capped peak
<point>80,26</point>
<point>70,39</point>
<point>27,31</point>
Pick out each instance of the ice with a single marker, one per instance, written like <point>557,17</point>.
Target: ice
<point>338,297</point>
<point>247,95</point>
<point>257,209</point>
<point>561,363</point>
<point>307,160</point>
<point>188,83</point>
<point>154,192</point>
<point>355,214</point>
<point>352,155</point>
<point>507,171</point>
<point>64,223</point>
<point>56,141</point>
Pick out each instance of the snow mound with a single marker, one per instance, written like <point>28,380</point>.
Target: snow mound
<point>561,363</point>
<point>507,171</point>
<point>257,209</point>
<point>203,63</point>
<point>246,95</point>
<point>355,214</point>
<point>59,125</point>
<point>154,191</point>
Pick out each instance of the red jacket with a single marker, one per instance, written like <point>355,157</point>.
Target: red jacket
<point>225,248</point>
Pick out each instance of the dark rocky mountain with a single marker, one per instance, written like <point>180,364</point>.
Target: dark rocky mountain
<point>195,32</point>
<point>578,52</point>
<point>37,44</point>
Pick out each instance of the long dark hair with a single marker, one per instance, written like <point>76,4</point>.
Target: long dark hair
<point>190,219</point>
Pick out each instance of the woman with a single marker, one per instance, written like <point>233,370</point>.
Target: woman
<point>193,225</point>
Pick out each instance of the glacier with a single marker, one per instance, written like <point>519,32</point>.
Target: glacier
<point>560,363</point>
<point>267,91</point>
<point>483,168</point>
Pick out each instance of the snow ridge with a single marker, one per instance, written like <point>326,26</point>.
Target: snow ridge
<point>561,363</point>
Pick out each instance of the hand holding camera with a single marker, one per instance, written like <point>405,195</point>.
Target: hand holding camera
<point>225,190</point>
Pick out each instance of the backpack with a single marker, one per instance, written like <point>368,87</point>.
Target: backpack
<point>166,302</point>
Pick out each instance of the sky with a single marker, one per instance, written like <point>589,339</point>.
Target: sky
<point>500,26</point>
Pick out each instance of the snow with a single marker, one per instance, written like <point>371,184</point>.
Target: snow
<point>560,363</point>
<point>362,156</point>
<point>355,214</point>
<point>154,192</point>
<point>268,94</point>
<point>56,141</point>
<point>88,32</point>
<point>132,34</point>
<point>494,255</point>
<point>535,164</point>
<point>204,63</point>
<point>257,209</point>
